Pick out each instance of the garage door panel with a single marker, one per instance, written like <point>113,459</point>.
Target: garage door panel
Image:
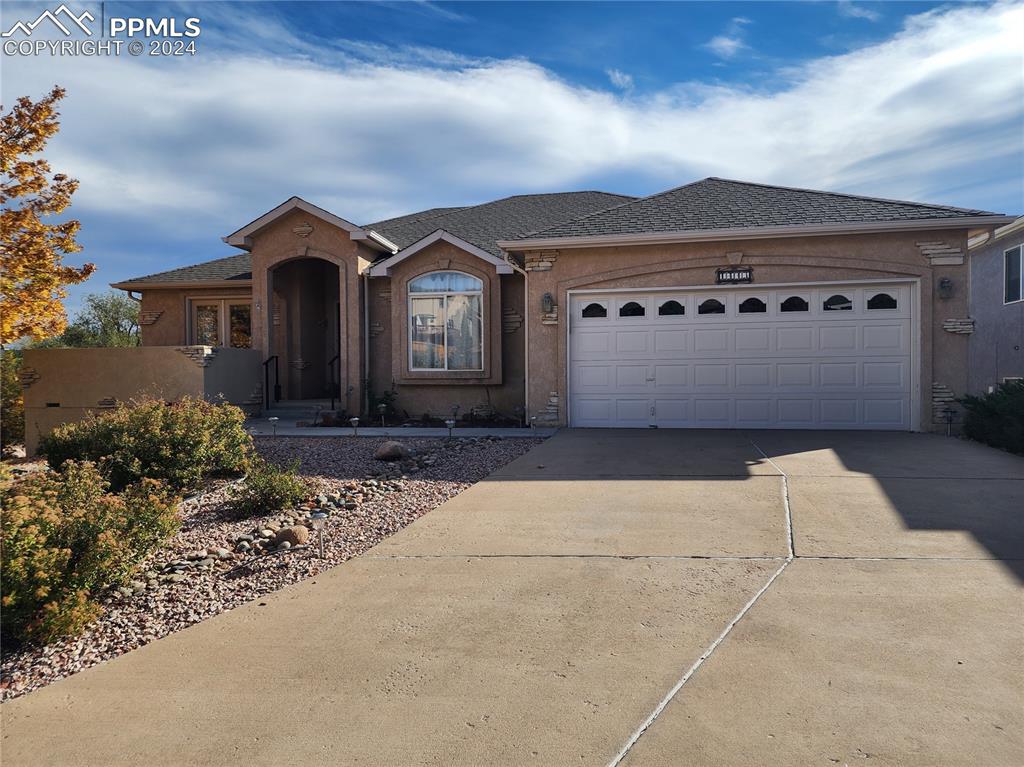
<point>840,412</point>
<point>754,374</point>
<point>753,339</point>
<point>635,341</point>
<point>712,412</point>
<point>711,375</point>
<point>796,339</point>
<point>884,338</point>
<point>671,376</point>
<point>753,412</point>
<point>711,340</point>
<point>596,378</point>
<point>885,375</point>
<point>797,369</point>
<point>675,340</point>
<point>837,338</point>
<point>838,374</point>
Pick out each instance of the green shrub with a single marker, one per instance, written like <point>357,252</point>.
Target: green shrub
<point>997,419</point>
<point>180,443</point>
<point>266,488</point>
<point>64,539</point>
<point>12,406</point>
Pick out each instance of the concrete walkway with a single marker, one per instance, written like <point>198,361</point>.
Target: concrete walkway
<point>630,597</point>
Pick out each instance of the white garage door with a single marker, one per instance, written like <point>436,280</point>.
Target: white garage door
<point>832,357</point>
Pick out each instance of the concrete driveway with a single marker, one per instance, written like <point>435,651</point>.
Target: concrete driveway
<point>628,597</point>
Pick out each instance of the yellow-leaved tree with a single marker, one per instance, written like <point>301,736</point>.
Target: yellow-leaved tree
<point>32,273</point>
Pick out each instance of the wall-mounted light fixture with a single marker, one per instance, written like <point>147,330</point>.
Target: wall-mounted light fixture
<point>547,303</point>
<point>945,287</point>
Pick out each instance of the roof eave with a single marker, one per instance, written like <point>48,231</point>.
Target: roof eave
<point>131,285</point>
<point>751,233</point>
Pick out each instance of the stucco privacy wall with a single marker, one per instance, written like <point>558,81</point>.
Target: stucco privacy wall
<point>64,385</point>
<point>299,235</point>
<point>164,312</point>
<point>500,386</point>
<point>997,343</point>
<point>942,358</point>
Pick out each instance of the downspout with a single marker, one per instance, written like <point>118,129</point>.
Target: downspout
<point>366,342</point>
<point>526,338</point>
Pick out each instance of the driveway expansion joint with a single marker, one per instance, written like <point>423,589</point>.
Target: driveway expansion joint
<point>791,556</point>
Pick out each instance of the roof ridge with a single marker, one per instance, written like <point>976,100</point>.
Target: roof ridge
<point>848,195</point>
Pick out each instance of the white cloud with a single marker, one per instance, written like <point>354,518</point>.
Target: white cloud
<point>732,41</point>
<point>224,136</point>
<point>852,10</point>
<point>620,79</point>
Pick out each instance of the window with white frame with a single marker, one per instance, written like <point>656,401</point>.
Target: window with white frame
<point>446,322</point>
<point>221,322</point>
<point>1013,274</point>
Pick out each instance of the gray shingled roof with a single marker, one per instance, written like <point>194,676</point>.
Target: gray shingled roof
<point>508,218</point>
<point>482,225</point>
<point>221,270</point>
<point>718,203</point>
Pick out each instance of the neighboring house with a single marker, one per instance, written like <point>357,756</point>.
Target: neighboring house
<point>716,304</point>
<point>997,307</point>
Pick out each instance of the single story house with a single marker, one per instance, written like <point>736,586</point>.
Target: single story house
<point>719,304</point>
<point>997,307</point>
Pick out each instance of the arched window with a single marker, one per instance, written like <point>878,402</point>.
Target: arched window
<point>446,322</point>
<point>881,301</point>
<point>753,306</point>
<point>711,306</point>
<point>632,309</point>
<point>671,307</point>
<point>837,303</point>
<point>595,311</point>
<point>794,304</point>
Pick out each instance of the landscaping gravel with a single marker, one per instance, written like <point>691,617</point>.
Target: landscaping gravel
<point>217,562</point>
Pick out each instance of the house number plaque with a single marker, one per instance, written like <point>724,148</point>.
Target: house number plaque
<point>734,274</point>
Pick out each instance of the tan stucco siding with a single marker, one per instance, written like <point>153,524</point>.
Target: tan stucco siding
<point>500,385</point>
<point>942,356</point>
<point>280,243</point>
<point>164,312</point>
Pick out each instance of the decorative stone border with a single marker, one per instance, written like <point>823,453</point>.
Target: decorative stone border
<point>201,355</point>
<point>511,320</point>
<point>942,398</point>
<point>941,254</point>
<point>148,318</point>
<point>540,261</point>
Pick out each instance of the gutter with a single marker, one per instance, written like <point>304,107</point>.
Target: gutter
<point>134,286</point>
<point>752,233</point>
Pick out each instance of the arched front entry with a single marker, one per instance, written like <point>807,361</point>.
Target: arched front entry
<point>305,327</point>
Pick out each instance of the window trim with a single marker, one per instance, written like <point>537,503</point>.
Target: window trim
<point>1020,288</point>
<point>444,294</point>
<point>223,320</point>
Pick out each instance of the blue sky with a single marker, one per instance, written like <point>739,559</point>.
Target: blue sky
<point>373,110</point>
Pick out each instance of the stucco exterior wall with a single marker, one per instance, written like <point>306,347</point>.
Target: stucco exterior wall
<point>164,312</point>
<point>499,387</point>
<point>997,343</point>
<point>942,356</point>
<point>298,235</point>
<point>64,385</point>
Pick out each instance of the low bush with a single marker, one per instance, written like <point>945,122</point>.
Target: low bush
<point>180,443</point>
<point>64,538</point>
<point>267,487</point>
<point>997,419</point>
